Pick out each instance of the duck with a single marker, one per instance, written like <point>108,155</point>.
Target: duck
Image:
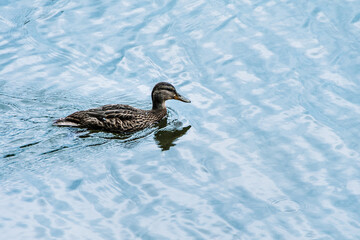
<point>124,118</point>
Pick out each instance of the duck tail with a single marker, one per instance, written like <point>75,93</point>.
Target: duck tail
<point>63,122</point>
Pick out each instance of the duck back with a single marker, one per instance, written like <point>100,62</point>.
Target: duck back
<point>117,117</point>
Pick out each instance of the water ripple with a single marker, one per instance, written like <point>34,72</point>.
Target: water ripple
<point>267,149</point>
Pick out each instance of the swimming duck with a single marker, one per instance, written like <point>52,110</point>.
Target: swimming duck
<point>124,118</point>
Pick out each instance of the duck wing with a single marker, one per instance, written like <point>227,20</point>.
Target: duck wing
<point>120,111</point>
<point>118,117</point>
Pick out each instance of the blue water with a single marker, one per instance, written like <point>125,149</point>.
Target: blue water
<point>268,148</point>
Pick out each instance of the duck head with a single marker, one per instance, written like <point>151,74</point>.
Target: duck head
<point>164,91</point>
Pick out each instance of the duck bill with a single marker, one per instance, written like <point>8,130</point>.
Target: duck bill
<point>181,98</point>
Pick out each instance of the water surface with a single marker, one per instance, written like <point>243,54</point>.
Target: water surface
<point>268,148</point>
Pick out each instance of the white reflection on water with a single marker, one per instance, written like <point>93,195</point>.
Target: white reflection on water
<point>268,148</point>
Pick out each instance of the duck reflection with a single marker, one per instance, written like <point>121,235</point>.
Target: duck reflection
<point>167,134</point>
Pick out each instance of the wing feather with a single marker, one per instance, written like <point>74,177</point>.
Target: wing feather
<point>115,117</point>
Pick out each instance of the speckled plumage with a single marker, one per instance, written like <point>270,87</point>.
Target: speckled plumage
<point>124,118</point>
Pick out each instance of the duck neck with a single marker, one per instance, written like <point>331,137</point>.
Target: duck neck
<point>159,105</point>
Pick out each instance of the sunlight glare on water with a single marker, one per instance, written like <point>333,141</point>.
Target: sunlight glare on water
<point>268,148</point>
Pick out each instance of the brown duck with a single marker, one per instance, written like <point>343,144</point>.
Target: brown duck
<point>124,118</point>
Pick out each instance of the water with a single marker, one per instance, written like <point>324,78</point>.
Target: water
<point>268,148</point>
